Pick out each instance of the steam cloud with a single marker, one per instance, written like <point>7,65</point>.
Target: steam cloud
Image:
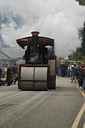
<point>58,19</point>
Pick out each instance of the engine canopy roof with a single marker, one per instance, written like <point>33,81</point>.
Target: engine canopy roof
<point>27,41</point>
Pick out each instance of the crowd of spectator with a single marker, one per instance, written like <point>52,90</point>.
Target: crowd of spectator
<point>75,71</point>
<point>8,74</point>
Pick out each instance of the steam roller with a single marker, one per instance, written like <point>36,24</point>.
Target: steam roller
<point>37,69</point>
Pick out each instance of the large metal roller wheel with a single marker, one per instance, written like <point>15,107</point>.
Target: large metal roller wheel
<point>19,84</point>
<point>40,86</point>
<point>26,74</point>
<point>52,84</point>
<point>26,86</point>
<point>40,74</point>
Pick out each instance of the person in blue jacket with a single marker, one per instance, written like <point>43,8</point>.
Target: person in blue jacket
<point>74,71</point>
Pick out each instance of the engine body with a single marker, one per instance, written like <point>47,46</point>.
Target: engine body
<point>37,70</point>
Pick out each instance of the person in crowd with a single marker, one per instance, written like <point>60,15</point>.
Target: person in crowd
<point>59,68</point>
<point>2,82</point>
<point>74,71</point>
<point>63,69</point>
<point>4,74</point>
<point>80,77</point>
<point>83,73</point>
<point>9,75</point>
<point>66,66</point>
<point>1,74</point>
<point>68,71</point>
<point>78,70</point>
<point>14,73</point>
<point>71,67</point>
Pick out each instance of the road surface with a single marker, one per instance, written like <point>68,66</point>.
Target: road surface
<point>57,108</point>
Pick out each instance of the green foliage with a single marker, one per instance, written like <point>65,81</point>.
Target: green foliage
<point>83,39</point>
<point>79,54</point>
<point>81,2</point>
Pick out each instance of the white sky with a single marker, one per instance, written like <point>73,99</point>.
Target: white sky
<point>58,19</point>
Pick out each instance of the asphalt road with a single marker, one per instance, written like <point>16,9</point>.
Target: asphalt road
<point>41,109</point>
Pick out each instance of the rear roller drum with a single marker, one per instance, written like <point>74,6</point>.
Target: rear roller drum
<point>26,86</point>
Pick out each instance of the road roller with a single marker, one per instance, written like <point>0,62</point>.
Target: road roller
<point>37,69</point>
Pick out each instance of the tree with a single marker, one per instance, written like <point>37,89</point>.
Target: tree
<point>79,54</point>
<point>81,2</point>
<point>82,35</point>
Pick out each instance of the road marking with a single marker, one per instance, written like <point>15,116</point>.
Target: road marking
<point>77,120</point>
<point>81,91</point>
<point>84,125</point>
